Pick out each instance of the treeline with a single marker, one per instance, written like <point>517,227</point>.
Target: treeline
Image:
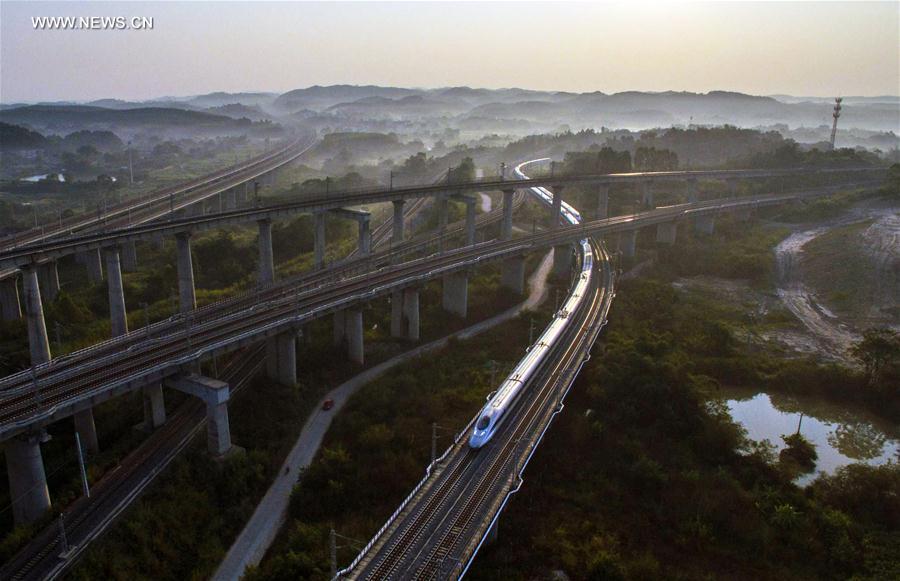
<point>646,476</point>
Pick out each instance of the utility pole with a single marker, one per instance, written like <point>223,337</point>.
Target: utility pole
<point>84,480</point>
<point>63,541</point>
<point>130,166</point>
<point>332,537</point>
<point>835,115</point>
<point>434,428</point>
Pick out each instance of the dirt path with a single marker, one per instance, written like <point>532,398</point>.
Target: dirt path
<point>262,528</point>
<point>831,336</point>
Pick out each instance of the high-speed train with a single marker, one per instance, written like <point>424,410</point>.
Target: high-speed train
<point>491,417</point>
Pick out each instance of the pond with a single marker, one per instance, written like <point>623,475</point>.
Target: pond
<point>841,435</point>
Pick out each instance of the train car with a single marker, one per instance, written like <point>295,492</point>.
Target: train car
<point>495,412</point>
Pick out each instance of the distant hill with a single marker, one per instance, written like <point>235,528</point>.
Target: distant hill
<point>319,98</point>
<point>13,137</point>
<point>239,111</point>
<point>220,99</point>
<point>64,119</point>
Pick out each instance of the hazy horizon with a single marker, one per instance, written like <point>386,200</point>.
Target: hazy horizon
<point>820,49</point>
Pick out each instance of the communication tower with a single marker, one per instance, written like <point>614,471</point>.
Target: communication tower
<point>836,114</point>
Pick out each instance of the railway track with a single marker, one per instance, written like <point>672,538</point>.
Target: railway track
<point>154,204</point>
<point>88,518</point>
<point>37,393</point>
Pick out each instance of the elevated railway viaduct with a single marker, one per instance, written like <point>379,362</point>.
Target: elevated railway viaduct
<point>167,352</point>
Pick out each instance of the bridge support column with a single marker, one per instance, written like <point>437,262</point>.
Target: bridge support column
<point>340,327</point>
<point>603,202</point>
<point>91,260</point>
<point>456,293</point>
<point>266,258</point>
<point>397,314</point>
<point>87,430</point>
<point>129,257</point>
<point>154,406</point>
<point>411,313</point>
<point>27,479</point>
<point>365,237</point>
<point>470,220</point>
<point>354,329</point>
<point>215,395</point>
<point>562,260</point>
<point>397,222</point>
<point>48,277</point>
<point>556,208</point>
<point>692,191</point>
<point>647,195</point>
<point>627,243</point>
<point>34,311</point>
<point>319,242</point>
<point>705,224</point>
<point>732,187</point>
<point>666,231</point>
<point>118,318</point>
<point>506,224</point>
<point>283,358</point>
<point>512,274</point>
<point>186,298</point>
<point>9,299</point>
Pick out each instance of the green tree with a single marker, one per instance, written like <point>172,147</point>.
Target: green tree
<point>878,352</point>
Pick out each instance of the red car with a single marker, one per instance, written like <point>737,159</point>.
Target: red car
<point>328,404</point>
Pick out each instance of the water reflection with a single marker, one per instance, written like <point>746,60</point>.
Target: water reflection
<point>841,436</point>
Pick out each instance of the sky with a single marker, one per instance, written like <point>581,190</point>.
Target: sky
<point>804,49</point>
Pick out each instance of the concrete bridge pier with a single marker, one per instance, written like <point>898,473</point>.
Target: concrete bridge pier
<point>215,395</point>
<point>397,222</point>
<point>411,313</point>
<point>397,314</point>
<point>27,479</point>
<point>647,195</point>
<point>365,236</point>
<point>353,320</point>
<point>154,406</point>
<point>319,240</point>
<point>456,293</point>
<point>512,274</point>
<point>603,201</point>
<point>118,317</point>
<point>506,223</point>
<point>87,430</point>
<point>627,243</point>
<point>38,343</point>
<point>556,207</point>
<point>666,231</point>
<point>692,191</point>
<point>470,219</point>
<point>129,257</point>
<point>282,358</point>
<point>91,259</point>
<point>186,297</point>
<point>48,277</point>
<point>266,257</point>
<point>705,224</point>
<point>340,327</point>
<point>9,299</point>
<point>562,260</point>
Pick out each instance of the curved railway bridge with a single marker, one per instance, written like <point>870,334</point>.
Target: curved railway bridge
<point>167,352</point>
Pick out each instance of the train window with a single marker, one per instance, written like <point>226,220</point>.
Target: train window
<point>483,423</point>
